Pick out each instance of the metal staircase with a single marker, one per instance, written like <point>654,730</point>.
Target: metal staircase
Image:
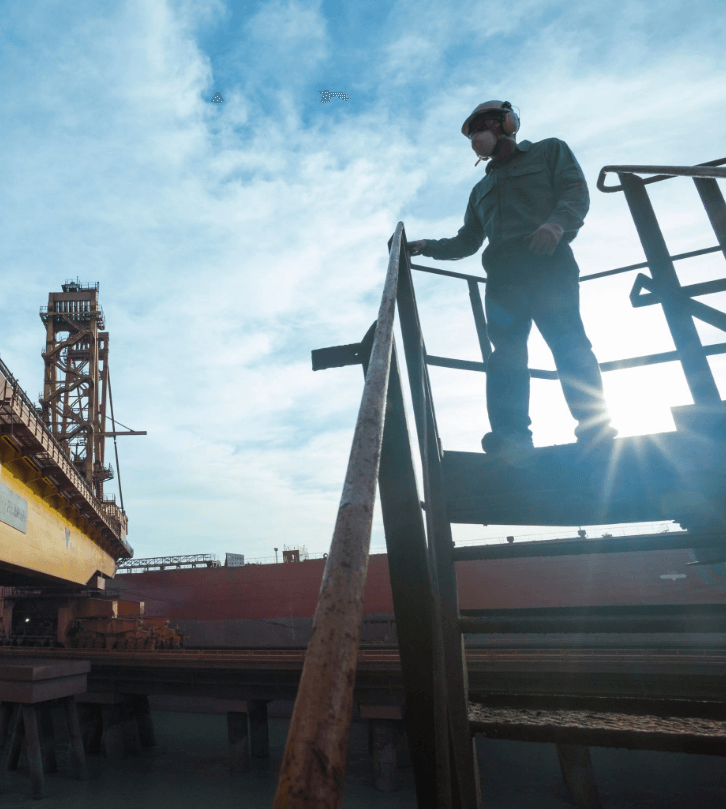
<point>679,476</point>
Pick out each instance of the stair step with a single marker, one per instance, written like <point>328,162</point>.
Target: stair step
<point>636,479</point>
<point>601,729</point>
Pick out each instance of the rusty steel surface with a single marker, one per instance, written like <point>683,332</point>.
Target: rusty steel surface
<point>650,618</point>
<point>602,729</point>
<point>313,766</point>
<point>658,660</point>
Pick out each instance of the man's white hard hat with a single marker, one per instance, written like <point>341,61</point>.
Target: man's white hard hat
<point>510,119</point>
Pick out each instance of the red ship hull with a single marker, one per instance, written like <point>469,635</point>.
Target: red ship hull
<point>273,605</point>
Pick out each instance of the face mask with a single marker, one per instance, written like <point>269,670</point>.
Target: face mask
<point>483,143</point>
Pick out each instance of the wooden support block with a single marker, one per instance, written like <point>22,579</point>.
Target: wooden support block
<point>91,721</point>
<point>259,733</point>
<point>578,774</point>
<point>6,716</point>
<point>35,756</point>
<point>47,738</point>
<point>74,730</point>
<point>129,729</point>
<point>385,765</point>
<point>16,738</point>
<point>238,737</point>
<point>112,740</point>
<point>143,721</point>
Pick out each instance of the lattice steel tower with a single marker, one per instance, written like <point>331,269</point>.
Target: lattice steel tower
<point>76,378</point>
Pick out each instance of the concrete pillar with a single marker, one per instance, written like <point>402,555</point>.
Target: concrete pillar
<point>384,735</point>
<point>578,774</point>
<point>238,738</point>
<point>259,733</point>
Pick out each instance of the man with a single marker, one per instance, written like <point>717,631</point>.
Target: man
<point>530,205</point>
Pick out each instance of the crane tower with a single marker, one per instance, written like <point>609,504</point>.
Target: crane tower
<point>76,378</point>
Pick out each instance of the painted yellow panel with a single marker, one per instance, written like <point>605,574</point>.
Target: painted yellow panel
<point>52,544</point>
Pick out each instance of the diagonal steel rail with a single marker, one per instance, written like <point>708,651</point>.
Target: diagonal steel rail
<point>313,765</point>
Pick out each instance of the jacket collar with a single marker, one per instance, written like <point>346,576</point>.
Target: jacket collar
<point>524,146</point>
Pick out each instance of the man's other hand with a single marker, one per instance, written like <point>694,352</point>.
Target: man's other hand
<point>545,239</point>
<point>415,248</point>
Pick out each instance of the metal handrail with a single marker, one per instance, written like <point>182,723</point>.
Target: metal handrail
<point>702,174</point>
<point>705,170</point>
<point>63,460</point>
<point>313,766</point>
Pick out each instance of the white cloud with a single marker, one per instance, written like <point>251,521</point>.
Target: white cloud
<point>230,240</point>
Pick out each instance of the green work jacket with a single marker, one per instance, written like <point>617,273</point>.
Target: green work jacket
<point>542,182</point>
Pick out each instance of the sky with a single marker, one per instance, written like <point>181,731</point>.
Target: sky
<point>230,239</point>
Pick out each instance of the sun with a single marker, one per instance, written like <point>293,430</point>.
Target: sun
<point>639,399</point>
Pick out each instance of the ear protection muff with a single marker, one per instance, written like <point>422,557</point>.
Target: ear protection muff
<point>510,121</point>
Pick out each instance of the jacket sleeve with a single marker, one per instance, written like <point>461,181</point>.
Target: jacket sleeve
<point>570,187</point>
<point>466,242</point>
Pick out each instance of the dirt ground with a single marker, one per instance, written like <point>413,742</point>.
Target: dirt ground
<point>188,768</point>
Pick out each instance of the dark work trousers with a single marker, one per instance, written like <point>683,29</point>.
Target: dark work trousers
<point>522,287</point>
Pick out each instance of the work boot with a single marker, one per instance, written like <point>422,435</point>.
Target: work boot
<point>515,449</point>
<point>597,437</point>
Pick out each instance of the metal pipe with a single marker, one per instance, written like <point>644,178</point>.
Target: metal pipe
<point>313,765</point>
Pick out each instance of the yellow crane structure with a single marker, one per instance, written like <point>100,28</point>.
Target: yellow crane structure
<point>55,525</point>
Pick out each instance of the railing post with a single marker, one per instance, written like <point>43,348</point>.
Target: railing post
<point>479,320</point>
<point>411,589</point>
<point>451,665</point>
<point>688,344</point>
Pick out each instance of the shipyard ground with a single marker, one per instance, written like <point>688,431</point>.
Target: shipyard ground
<point>188,768</point>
